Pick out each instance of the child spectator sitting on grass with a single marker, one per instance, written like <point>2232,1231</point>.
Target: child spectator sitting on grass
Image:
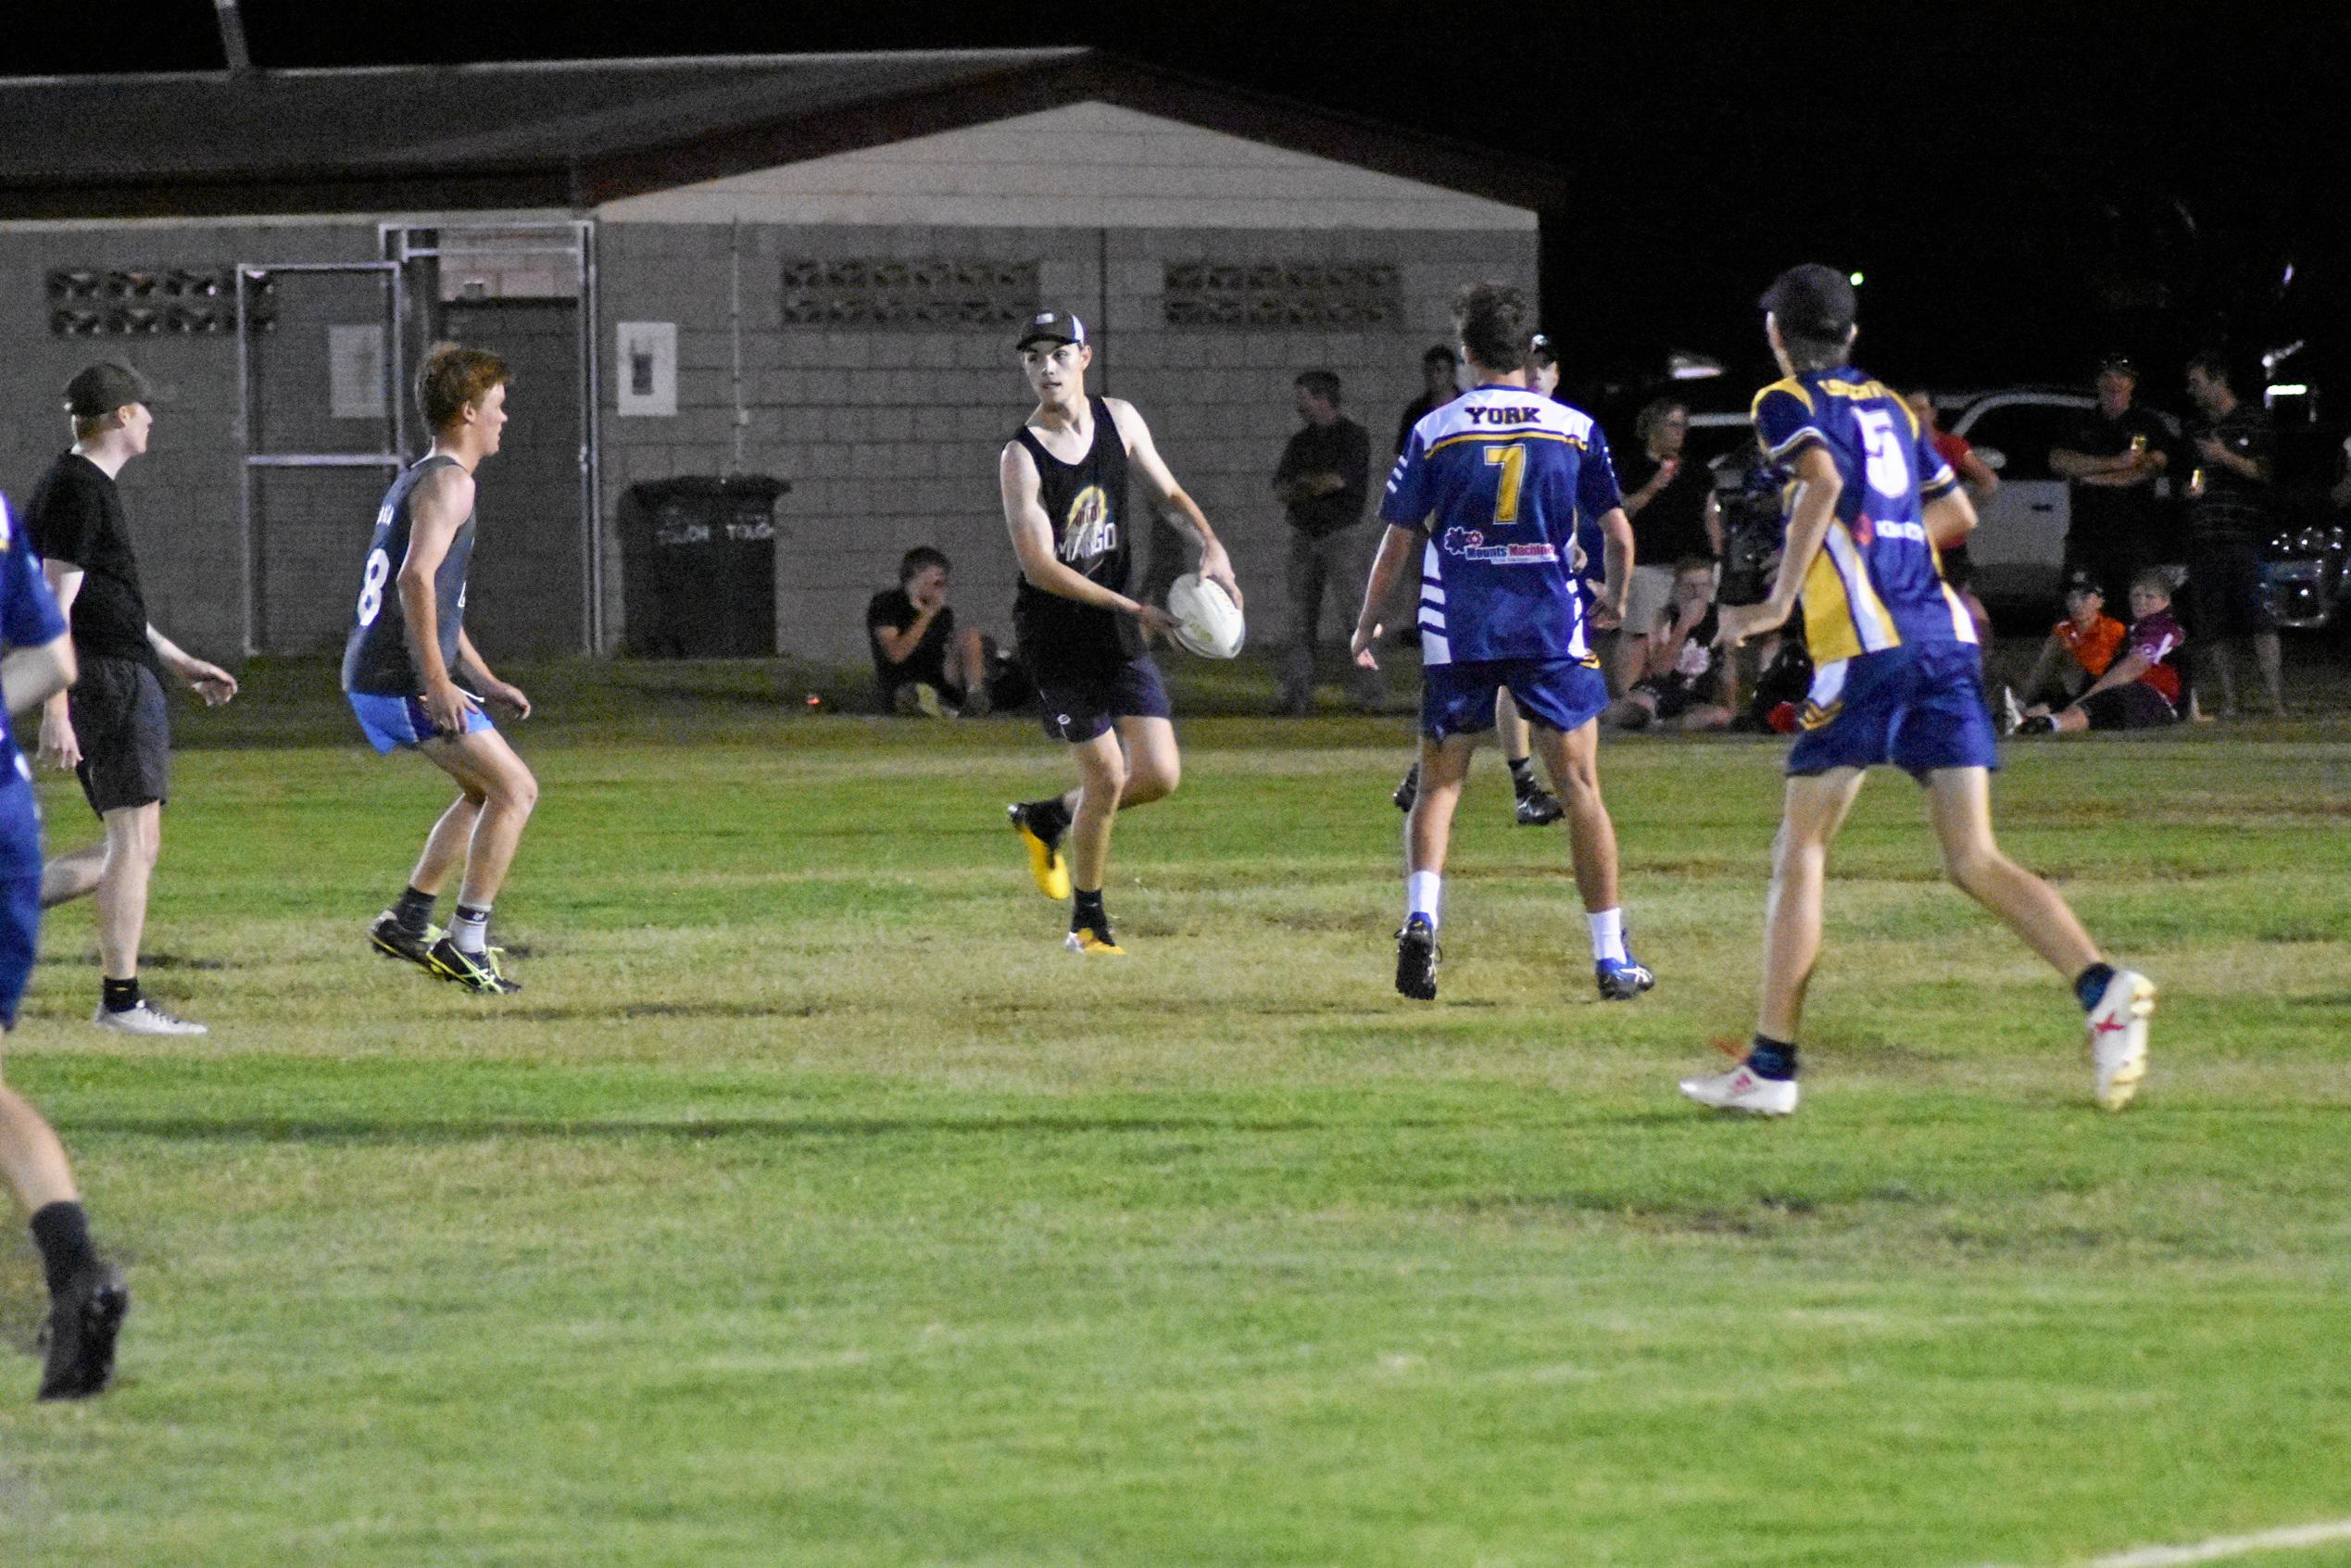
<point>2140,689</point>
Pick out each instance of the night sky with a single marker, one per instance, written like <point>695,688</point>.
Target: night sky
<point>2022,188</point>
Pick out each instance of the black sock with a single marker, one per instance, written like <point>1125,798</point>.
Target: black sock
<point>1047,819</point>
<point>2091,983</point>
<point>1087,912</point>
<point>62,1232</point>
<point>1522,774</point>
<point>413,910</point>
<point>119,995</point>
<point>1772,1059</point>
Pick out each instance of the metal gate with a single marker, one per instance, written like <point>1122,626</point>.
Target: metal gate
<point>317,396</point>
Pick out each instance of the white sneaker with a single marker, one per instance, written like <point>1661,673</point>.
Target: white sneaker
<point>1740,1089</point>
<point>2117,1037</point>
<point>2012,713</point>
<point>144,1018</point>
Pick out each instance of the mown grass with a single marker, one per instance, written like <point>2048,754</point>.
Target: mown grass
<point>810,1207</point>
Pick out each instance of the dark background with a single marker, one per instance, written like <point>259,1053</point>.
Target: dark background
<point>2024,189</point>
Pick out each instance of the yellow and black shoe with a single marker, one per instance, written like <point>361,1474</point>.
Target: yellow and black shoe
<point>388,936</point>
<point>476,971</point>
<point>1093,941</point>
<point>1045,862</point>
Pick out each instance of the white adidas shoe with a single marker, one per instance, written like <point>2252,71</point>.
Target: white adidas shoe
<point>1740,1089</point>
<point>144,1018</point>
<point>2117,1037</point>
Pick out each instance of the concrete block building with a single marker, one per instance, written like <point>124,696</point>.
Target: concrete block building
<point>807,268</point>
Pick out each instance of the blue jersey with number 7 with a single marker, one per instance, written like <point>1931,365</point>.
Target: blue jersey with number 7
<point>1876,582</point>
<point>1495,479</point>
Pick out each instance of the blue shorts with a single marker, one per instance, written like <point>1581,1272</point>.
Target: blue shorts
<point>391,723</point>
<point>1919,706</point>
<point>1559,694</point>
<point>1078,710</point>
<point>19,891</point>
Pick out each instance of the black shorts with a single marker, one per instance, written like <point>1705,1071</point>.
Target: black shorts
<point>125,729</point>
<point>1676,695</point>
<point>2135,707</point>
<point>1078,708</point>
<point>2224,587</point>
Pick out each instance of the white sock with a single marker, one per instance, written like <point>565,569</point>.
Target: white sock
<point>1607,935</point>
<point>1422,890</point>
<point>470,930</point>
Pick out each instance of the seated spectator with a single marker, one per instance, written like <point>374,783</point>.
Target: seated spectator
<point>1680,679</point>
<point>2080,648</point>
<point>2140,689</point>
<point>922,663</point>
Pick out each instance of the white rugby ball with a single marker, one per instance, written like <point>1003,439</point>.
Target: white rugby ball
<point>1207,621</point>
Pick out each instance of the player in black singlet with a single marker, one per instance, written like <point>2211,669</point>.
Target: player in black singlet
<point>1064,481</point>
<point>408,640</point>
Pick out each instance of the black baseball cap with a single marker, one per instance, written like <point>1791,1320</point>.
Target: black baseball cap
<point>1812,301</point>
<point>2119,365</point>
<point>2084,582</point>
<point>1052,326</point>
<point>103,388</point>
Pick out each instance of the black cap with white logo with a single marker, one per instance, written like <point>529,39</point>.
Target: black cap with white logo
<point>1052,326</point>
<point>1812,300</point>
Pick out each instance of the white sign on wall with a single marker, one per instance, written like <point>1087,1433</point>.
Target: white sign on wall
<point>645,367</point>
<point>355,371</point>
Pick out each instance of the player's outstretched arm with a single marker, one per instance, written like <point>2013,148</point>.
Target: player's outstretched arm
<point>33,675</point>
<point>1032,533</point>
<point>1174,504</point>
<point>210,682</point>
<point>1817,487</point>
<point>437,509</point>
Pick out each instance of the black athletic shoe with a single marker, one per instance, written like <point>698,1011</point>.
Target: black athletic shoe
<point>388,936</point>
<point>83,1321</point>
<point>1409,791</point>
<point>475,971</point>
<point>1538,808</point>
<point>1417,959</point>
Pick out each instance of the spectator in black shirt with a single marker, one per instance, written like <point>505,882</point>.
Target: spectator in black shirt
<point>1674,517</point>
<point>1439,384</point>
<point>1323,480</point>
<point>2228,518</point>
<point>112,728</point>
<point>923,664</point>
<point>2113,460</point>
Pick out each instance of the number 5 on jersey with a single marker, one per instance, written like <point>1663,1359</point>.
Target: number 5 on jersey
<point>1887,468</point>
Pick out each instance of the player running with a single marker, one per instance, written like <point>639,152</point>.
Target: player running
<point>408,640</point>
<point>87,1299</point>
<point>1487,491</point>
<point>1064,481</point>
<point>1897,679</point>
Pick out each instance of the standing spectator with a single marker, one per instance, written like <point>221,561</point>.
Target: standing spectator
<point>922,662</point>
<point>1977,478</point>
<point>2080,648</point>
<point>2113,462</point>
<point>1674,517</point>
<point>2140,690</point>
<point>112,729</point>
<point>2228,518</point>
<point>1322,482</point>
<point>1439,384</point>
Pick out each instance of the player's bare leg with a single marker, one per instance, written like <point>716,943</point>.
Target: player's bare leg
<point>1572,758</point>
<point>1429,830</point>
<point>1959,804</point>
<point>134,838</point>
<point>87,1298</point>
<point>485,768</point>
<point>444,847</point>
<point>1103,779</point>
<point>1815,811</point>
<point>74,875</point>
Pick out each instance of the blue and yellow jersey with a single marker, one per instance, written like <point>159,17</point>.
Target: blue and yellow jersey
<point>1495,479</point>
<point>29,618</point>
<point>1876,582</point>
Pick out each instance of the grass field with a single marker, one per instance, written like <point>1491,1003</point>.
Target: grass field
<point>810,1207</point>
